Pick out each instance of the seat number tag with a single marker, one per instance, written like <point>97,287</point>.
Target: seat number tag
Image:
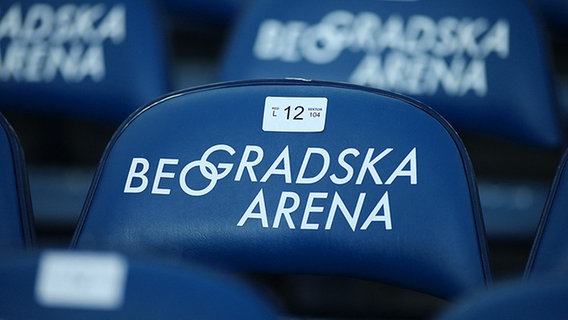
<point>294,114</point>
<point>85,280</point>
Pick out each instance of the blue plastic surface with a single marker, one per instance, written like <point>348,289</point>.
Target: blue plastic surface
<point>549,254</point>
<point>99,60</point>
<point>514,300</point>
<point>383,191</point>
<point>16,220</point>
<point>484,65</point>
<point>52,285</point>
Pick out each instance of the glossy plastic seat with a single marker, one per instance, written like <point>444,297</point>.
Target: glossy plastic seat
<point>293,177</point>
<point>515,300</point>
<point>483,65</point>
<point>106,285</point>
<point>97,60</point>
<point>73,71</point>
<point>16,217</point>
<point>549,253</point>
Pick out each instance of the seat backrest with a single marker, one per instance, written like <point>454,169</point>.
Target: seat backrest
<point>520,300</point>
<point>106,285</point>
<point>298,177</point>
<point>550,248</point>
<point>16,220</point>
<point>483,65</point>
<point>96,59</point>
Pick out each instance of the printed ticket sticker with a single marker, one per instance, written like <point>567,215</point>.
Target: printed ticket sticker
<point>81,280</point>
<point>294,114</point>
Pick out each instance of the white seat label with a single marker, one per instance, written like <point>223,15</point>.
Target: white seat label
<point>294,114</point>
<point>81,280</point>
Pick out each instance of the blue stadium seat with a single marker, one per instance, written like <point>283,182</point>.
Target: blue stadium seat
<point>483,65</point>
<point>293,177</point>
<point>549,253</point>
<point>105,285</point>
<point>67,65</point>
<point>100,60</point>
<point>517,300</point>
<point>16,220</point>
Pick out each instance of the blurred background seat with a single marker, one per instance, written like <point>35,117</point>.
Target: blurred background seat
<point>106,285</point>
<point>549,253</point>
<point>294,177</point>
<point>483,66</point>
<point>514,300</point>
<point>17,230</point>
<point>68,73</point>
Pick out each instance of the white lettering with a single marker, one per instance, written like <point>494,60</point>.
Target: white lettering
<point>400,171</point>
<point>422,74</point>
<point>252,157</point>
<point>384,204</point>
<point>283,211</point>
<point>207,169</point>
<point>311,208</point>
<point>46,42</point>
<point>412,55</point>
<point>246,164</point>
<point>290,202</point>
<point>336,203</point>
<point>161,174</point>
<point>133,173</point>
<point>258,201</point>
<point>274,39</point>
<point>369,165</point>
<point>343,163</point>
<point>323,153</point>
<point>283,158</point>
<point>317,206</point>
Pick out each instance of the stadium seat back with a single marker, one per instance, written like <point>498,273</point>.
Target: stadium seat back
<point>16,221</point>
<point>95,59</point>
<point>290,176</point>
<point>106,285</point>
<point>550,248</point>
<point>483,65</point>
<point>522,300</point>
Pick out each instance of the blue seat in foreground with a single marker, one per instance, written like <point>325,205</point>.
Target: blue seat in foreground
<point>16,220</point>
<point>92,59</point>
<point>106,285</point>
<point>293,177</point>
<point>484,65</point>
<point>549,253</point>
<point>517,300</point>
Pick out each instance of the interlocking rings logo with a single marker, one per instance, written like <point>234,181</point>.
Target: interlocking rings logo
<point>208,170</point>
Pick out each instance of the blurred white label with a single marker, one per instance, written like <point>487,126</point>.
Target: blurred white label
<point>294,114</point>
<point>81,280</point>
